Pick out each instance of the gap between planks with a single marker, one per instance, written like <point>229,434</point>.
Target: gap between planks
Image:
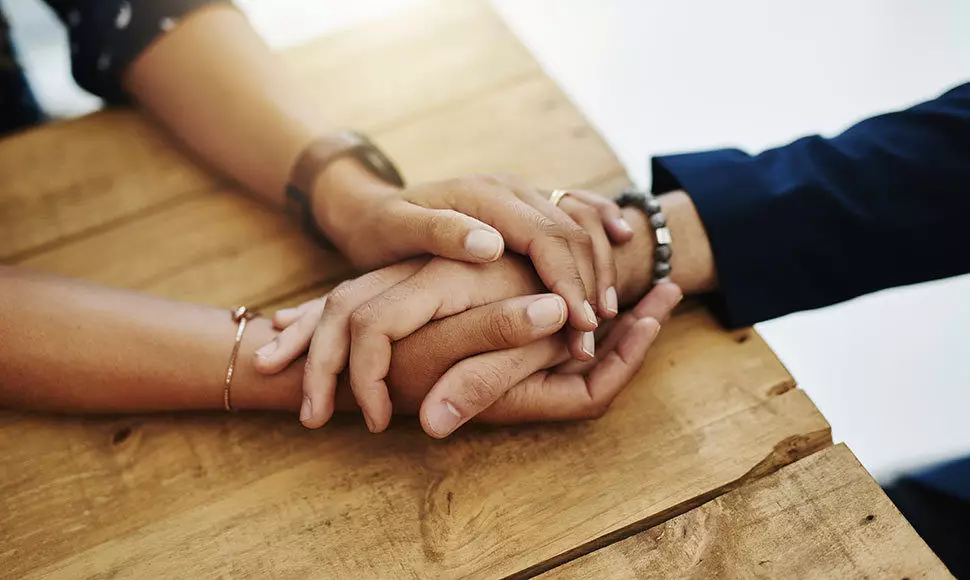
<point>786,452</point>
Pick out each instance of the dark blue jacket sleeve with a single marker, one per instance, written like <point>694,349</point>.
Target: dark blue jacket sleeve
<point>820,220</point>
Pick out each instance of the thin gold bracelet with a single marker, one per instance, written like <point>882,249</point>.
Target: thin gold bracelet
<point>240,315</point>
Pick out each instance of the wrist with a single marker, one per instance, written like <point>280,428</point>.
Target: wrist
<point>341,193</point>
<point>634,259</point>
<point>693,259</point>
<point>252,390</point>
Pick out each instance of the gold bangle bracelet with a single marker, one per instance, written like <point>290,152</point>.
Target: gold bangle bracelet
<point>240,315</point>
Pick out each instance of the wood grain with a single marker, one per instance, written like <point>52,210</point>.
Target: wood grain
<point>206,248</point>
<point>55,186</point>
<point>820,517</point>
<point>257,495</point>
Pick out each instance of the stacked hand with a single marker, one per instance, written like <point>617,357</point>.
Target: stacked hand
<point>473,219</point>
<point>492,342</point>
<point>502,360</point>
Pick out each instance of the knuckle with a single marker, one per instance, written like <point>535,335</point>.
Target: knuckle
<point>481,385</point>
<point>551,230</point>
<point>364,316</point>
<point>339,299</point>
<point>500,329</point>
<point>458,186</point>
<point>582,238</point>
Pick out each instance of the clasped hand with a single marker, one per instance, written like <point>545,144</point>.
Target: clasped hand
<point>458,340</point>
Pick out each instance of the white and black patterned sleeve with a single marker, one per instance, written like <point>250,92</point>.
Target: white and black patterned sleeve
<point>107,35</point>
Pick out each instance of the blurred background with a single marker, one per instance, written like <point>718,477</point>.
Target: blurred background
<point>891,371</point>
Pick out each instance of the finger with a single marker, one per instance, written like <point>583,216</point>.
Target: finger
<point>529,232</point>
<point>581,345</point>
<point>617,368</point>
<point>290,344</point>
<point>440,289</point>
<point>607,343</point>
<point>446,233</point>
<point>287,316</point>
<point>546,396</point>
<point>657,304</point>
<point>473,384</point>
<point>589,219</point>
<point>330,345</point>
<point>419,360</point>
<point>611,215</point>
<point>579,242</point>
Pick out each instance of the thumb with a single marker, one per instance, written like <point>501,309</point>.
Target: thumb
<point>449,234</point>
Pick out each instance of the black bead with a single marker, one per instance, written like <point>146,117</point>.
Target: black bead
<point>628,197</point>
<point>652,206</point>
<point>661,270</point>
<point>658,220</point>
<point>662,253</point>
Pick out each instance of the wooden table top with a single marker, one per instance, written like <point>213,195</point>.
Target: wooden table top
<point>446,90</point>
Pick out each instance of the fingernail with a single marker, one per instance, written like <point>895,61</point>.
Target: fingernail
<point>306,410</point>
<point>622,224</point>
<point>370,424</point>
<point>656,329</point>
<point>546,312</point>
<point>267,349</point>
<point>483,244</point>
<point>612,304</point>
<point>590,315</point>
<point>589,343</point>
<point>443,418</point>
<point>286,312</point>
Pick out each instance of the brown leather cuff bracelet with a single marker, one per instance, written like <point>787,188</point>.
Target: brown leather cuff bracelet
<point>316,158</point>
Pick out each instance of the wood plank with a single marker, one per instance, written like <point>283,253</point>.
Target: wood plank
<point>821,517</point>
<point>256,495</point>
<point>78,176</point>
<point>393,71</point>
<point>206,248</point>
<point>70,178</point>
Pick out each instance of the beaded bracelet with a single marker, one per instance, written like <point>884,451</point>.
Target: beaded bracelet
<point>662,251</point>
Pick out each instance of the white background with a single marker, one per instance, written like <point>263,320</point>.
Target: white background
<point>891,372</point>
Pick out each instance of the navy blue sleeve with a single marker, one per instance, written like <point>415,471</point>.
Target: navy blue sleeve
<point>820,221</point>
<point>107,35</point>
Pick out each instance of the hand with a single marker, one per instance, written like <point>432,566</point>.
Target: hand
<point>470,363</point>
<point>359,320</point>
<point>364,316</point>
<point>472,219</point>
<point>513,385</point>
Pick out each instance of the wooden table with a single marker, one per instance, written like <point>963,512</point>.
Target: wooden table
<point>711,463</point>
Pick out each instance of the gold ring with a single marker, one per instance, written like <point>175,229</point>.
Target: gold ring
<point>556,196</point>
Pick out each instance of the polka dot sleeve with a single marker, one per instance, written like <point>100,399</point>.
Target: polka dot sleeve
<point>106,35</point>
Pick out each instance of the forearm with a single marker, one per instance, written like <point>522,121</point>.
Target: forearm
<point>74,347</point>
<point>216,84</point>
